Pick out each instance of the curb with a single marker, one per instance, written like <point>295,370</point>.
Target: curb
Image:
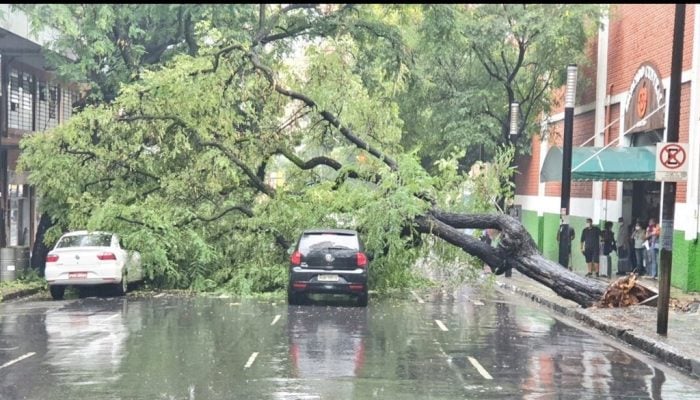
<point>20,293</point>
<point>644,343</point>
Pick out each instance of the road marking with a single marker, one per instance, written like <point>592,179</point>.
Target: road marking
<point>159,295</point>
<point>417,297</point>
<point>16,360</point>
<point>110,317</point>
<point>274,321</point>
<point>479,368</point>
<point>251,360</point>
<point>441,325</point>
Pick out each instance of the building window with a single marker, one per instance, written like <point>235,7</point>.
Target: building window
<point>53,102</point>
<point>66,104</point>
<point>21,100</point>
<point>47,106</point>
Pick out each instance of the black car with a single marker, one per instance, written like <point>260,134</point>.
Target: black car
<point>328,261</point>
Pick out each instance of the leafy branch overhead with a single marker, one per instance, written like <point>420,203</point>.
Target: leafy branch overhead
<point>273,119</point>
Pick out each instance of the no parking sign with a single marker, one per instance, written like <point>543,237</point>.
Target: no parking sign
<point>671,162</point>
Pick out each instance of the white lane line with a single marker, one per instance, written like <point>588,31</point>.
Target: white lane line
<point>16,360</point>
<point>479,368</point>
<point>277,318</point>
<point>251,360</point>
<point>441,325</point>
<point>417,297</point>
<point>111,317</point>
<point>159,295</point>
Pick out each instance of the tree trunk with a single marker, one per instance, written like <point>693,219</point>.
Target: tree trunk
<point>40,250</point>
<point>516,249</point>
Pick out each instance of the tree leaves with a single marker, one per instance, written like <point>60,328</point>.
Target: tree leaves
<point>212,162</point>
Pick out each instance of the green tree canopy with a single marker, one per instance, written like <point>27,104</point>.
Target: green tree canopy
<point>180,162</point>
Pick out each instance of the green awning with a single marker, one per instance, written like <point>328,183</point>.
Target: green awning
<point>611,164</point>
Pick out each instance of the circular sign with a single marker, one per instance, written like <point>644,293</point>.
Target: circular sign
<point>672,156</point>
<point>642,100</point>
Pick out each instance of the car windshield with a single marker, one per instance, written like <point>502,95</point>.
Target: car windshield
<point>311,242</point>
<point>92,240</point>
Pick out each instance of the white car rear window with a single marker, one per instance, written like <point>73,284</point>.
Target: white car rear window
<point>94,240</point>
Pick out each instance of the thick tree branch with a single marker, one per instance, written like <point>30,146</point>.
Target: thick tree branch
<point>254,180</point>
<point>346,132</point>
<point>490,68</point>
<point>516,249</point>
<point>139,223</point>
<point>252,177</point>
<point>217,56</point>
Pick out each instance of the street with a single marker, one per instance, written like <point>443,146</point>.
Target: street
<point>475,346</point>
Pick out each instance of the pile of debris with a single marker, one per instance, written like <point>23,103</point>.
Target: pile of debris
<point>626,291</point>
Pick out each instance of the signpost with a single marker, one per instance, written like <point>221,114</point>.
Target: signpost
<point>673,157</point>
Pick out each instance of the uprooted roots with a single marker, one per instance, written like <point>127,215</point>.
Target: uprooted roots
<point>625,291</point>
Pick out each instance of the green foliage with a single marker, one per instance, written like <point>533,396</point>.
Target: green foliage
<point>178,163</point>
<point>113,43</point>
<point>471,62</point>
<point>491,182</point>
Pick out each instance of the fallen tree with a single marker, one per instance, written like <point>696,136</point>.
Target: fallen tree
<point>180,164</point>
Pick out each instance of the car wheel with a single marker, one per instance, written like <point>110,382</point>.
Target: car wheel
<point>363,299</point>
<point>57,292</point>
<point>122,287</point>
<point>293,299</point>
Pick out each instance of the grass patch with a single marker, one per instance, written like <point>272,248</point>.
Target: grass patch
<point>28,281</point>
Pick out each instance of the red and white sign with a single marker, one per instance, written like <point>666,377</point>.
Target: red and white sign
<point>671,162</point>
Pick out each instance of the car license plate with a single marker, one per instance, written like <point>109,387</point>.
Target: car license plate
<point>77,275</point>
<point>328,278</point>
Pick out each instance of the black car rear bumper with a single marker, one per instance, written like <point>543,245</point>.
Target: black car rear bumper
<point>307,281</point>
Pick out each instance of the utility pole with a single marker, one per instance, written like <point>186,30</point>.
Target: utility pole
<point>669,200</point>
<point>569,103</point>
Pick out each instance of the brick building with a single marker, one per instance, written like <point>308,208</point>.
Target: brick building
<point>31,100</point>
<point>624,108</point>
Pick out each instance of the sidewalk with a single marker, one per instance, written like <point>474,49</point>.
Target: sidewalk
<point>634,325</point>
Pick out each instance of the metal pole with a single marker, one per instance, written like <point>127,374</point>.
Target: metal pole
<point>513,134</point>
<point>570,100</point>
<point>669,199</point>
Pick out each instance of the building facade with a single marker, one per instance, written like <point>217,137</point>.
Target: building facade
<point>31,100</point>
<point>623,107</point>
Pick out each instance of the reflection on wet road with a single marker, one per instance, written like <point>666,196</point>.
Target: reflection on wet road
<point>179,348</point>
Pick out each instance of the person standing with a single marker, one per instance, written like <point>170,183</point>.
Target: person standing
<point>590,246</point>
<point>623,238</point>
<point>572,235</point>
<point>639,236</point>
<point>609,245</point>
<point>630,232</point>
<point>652,235</point>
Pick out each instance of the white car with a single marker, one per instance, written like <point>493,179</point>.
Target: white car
<point>85,258</point>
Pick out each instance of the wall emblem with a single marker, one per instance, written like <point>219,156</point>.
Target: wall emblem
<point>645,106</point>
<point>642,100</point>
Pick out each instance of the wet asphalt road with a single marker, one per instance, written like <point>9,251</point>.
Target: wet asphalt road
<point>469,347</point>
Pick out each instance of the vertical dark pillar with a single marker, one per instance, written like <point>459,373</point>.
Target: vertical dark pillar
<point>669,205</point>
<point>570,101</point>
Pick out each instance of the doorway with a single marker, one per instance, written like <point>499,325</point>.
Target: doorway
<point>645,195</point>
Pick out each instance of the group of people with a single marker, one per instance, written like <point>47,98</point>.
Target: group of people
<point>644,241</point>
